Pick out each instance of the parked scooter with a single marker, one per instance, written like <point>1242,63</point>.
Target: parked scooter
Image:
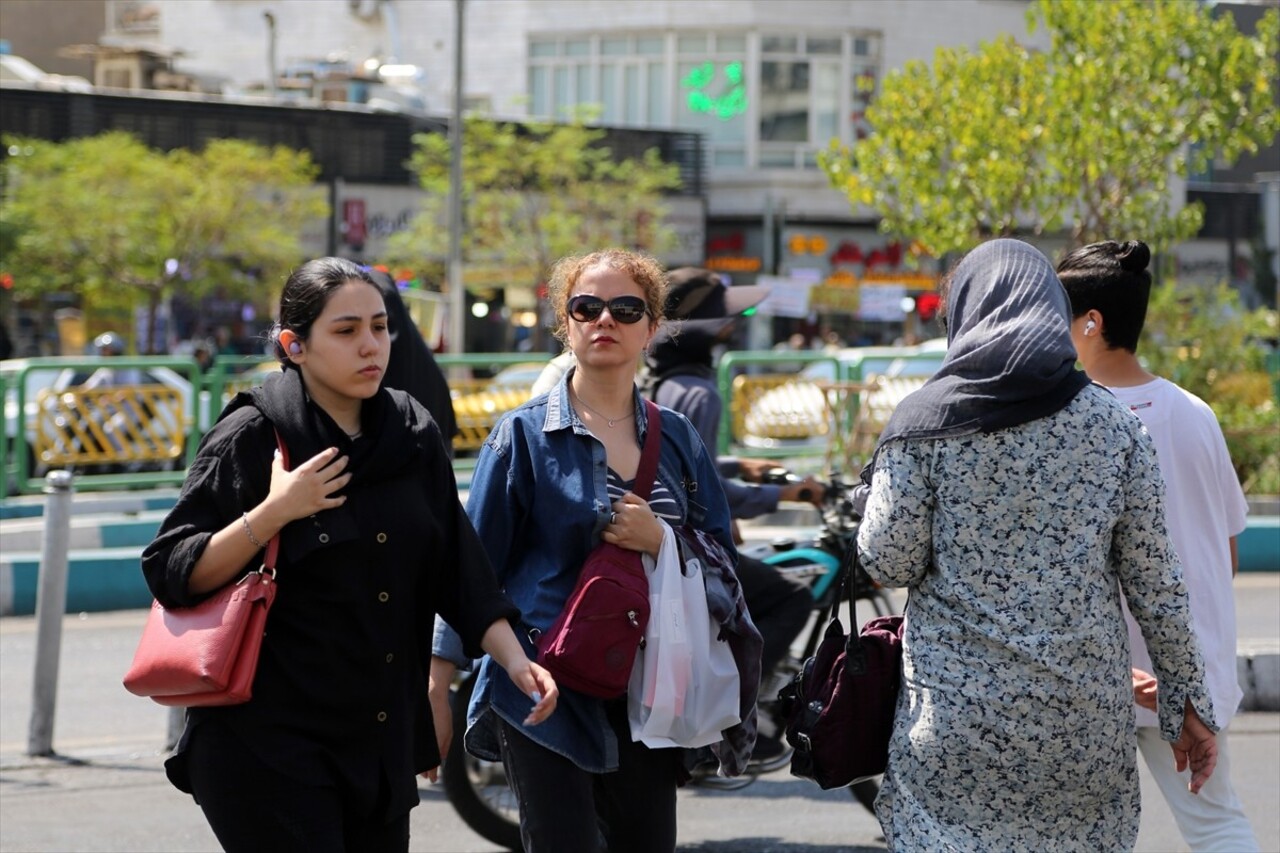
<point>478,789</point>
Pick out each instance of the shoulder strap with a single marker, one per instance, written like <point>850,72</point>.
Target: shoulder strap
<point>273,547</point>
<point>649,455</point>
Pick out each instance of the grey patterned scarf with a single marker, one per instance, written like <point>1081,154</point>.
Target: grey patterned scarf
<point>1009,358</point>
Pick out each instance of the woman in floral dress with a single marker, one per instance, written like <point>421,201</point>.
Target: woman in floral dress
<point>1018,502</point>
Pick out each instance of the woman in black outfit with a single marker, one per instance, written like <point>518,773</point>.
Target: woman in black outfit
<point>373,543</point>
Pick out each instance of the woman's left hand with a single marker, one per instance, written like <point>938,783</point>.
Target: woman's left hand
<point>536,683</point>
<point>1196,748</point>
<point>533,680</point>
<point>634,526</point>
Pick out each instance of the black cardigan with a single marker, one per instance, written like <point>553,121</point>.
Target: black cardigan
<point>342,681</point>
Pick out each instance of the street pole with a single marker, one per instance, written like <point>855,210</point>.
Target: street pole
<point>457,291</point>
<point>51,606</point>
<point>271,53</point>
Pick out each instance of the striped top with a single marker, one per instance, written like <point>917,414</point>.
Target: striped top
<point>661,502</point>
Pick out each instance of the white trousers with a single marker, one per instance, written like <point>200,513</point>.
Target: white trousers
<point>1212,821</point>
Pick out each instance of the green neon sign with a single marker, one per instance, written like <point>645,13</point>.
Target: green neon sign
<point>732,99</point>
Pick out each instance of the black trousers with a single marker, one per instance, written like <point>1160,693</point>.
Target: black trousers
<point>780,606</point>
<point>252,808</point>
<point>564,809</point>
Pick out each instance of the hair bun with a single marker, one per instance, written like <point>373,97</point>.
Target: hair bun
<point>1133,256</point>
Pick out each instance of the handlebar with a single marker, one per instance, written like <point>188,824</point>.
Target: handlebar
<point>839,513</point>
<point>840,518</point>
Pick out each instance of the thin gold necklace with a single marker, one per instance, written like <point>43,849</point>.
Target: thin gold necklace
<point>608,420</point>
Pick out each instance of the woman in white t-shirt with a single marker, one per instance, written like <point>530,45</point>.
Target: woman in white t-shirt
<point>1109,285</point>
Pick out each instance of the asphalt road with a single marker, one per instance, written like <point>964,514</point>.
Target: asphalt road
<point>107,791</point>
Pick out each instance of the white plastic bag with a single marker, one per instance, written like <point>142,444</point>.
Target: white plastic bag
<point>684,686</point>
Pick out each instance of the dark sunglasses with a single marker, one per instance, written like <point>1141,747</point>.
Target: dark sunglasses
<point>624,309</point>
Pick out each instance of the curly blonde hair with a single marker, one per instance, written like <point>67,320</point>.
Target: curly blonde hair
<point>640,268</point>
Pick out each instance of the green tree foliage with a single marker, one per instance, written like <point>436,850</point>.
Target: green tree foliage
<point>1085,135</point>
<point>102,216</point>
<point>534,193</point>
<point>1203,340</point>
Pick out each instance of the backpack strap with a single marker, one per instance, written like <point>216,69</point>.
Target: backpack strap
<point>648,468</point>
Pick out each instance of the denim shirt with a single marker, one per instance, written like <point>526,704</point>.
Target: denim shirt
<point>539,502</point>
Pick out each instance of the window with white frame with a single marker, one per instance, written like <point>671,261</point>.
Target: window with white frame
<point>774,111</point>
<point>812,89</point>
<point>711,94</point>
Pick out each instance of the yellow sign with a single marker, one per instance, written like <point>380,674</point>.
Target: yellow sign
<point>843,299</point>
<point>909,280</point>
<point>812,244</point>
<point>729,263</point>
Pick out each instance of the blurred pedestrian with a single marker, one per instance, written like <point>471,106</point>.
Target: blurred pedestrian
<point>1109,285</point>
<point>702,315</point>
<point>554,479</point>
<point>373,544</point>
<point>111,345</point>
<point>203,354</point>
<point>1016,501</point>
<point>413,367</point>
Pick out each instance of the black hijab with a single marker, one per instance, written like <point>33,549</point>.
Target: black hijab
<point>397,431</point>
<point>682,349</point>
<point>1010,359</point>
<point>412,367</point>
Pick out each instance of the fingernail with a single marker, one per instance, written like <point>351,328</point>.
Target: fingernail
<point>536,696</point>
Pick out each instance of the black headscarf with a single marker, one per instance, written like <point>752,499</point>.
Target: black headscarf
<point>412,367</point>
<point>1009,358</point>
<point>401,431</point>
<point>684,349</point>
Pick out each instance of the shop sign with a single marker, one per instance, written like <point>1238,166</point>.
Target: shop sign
<point>734,251</point>
<point>730,263</point>
<point>909,280</point>
<point>845,300</point>
<point>354,230</point>
<point>861,252</point>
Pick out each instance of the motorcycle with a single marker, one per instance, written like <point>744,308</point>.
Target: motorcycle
<point>816,562</point>
<point>478,790</point>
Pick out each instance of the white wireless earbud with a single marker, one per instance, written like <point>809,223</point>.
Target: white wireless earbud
<point>1089,327</point>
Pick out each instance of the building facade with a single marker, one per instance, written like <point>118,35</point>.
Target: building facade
<point>768,84</point>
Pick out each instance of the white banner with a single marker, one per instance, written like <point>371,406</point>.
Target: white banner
<point>788,297</point>
<point>882,302</point>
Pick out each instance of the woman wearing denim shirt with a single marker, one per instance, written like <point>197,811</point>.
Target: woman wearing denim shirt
<point>552,481</point>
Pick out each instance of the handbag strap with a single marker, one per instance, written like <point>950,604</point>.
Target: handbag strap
<point>855,657</point>
<point>648,468</point>
<point>273,545</point>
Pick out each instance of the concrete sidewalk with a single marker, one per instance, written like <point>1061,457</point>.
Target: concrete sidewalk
<point>106,789</point>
